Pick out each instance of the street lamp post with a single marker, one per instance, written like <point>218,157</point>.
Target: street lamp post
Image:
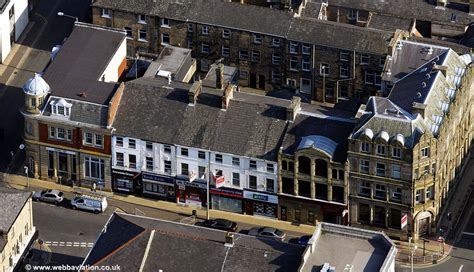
<point>412,251</point>
<point>27,176</point>
<point>60,13</point>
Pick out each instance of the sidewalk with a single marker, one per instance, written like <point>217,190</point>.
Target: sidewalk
<point>19,182</point>
<point>433,252</point>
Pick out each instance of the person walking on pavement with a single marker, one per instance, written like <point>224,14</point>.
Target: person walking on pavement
<point>94,187</point>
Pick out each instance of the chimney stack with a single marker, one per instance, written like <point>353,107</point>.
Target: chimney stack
<point>293,108</point>
<point>227,96</point>
<point>194,92</point>
<point>419,108</point>
<point>229,239</point>
<point>440,68</point>
<point>220,76</point>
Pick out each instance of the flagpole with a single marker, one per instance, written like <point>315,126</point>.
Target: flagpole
<point>208,182</point>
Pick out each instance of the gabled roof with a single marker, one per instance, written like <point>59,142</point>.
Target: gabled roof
<point>179,247</point>
<point>12,202</point>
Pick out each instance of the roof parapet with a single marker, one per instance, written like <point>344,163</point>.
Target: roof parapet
<point>194,92</point>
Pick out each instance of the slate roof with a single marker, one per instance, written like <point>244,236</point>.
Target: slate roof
<point>458,48</point>
<point>410,57</point>
<point>389,23</point>
<point>12,202</point>
<point>83,112</point>
<point>180,247</point>
<point>339,35</point>
<point>80,62</point>
<point>419,9</point>
<point>246,128</point>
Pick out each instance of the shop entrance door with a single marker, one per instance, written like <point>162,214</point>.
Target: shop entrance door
<point>249,207</point>
<point>423,226</point>
<point>253,80</point>
<point>283,211</point>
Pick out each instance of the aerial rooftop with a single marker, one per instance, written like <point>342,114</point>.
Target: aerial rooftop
<point>12,202</point>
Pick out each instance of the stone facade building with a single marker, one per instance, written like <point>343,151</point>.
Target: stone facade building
<point>409,148</point>
<point>69,110</point>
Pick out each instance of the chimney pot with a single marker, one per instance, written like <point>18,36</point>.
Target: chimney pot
<point>220,76</point>
<point>293,108</point>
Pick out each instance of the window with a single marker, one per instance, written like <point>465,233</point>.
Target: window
<point>379,216</point>
<point>270,185</point>
<point>425,152</point>
<point>344,71</point>
<point>369,77</point>
<point>99,141</point>
<point>276,59</point>
<point>253,182</point>
<point>190,44</point>
<point>167,149</point>
<point>69,135</point>
<point>396,152</point>
<point>364,166</point>
<point>329,90</point>
<point>94,168</point>
<point>60,110</point>
<point>276,42</point>
<point>201,172</point>
<point>364,59</point>
<point>276,76</point>
<point>294,47</point>
<point>396,171</point>
<point>235,161</point>
<point>129,31</point>
<point>257,38</point>
<point>165,38</point>
<point>132,143</point>
<point>149,146</point>
<point>380,169</point>
<point>396,194</point>
<point>61,133</point>
<point>324,69</point>
<point>226,33</point>
<point>149,163</point>
<point>243,54</point>
<point>118,141</point>
<point>236,179</point>
<point>381,61</point>
<point>305,64</point>
<point>343,56</point>
<point>380,150</point>
<point>218,158</point>
<point>243,74</point>
<point>270,168</point>
<point>225,51</point>
<point>184,152</point>
<point>202,155</point>
<point>33,102</point>
<point>353,14</point>
<point>253,164</point>
<point>364,188</point>
<point>430,192</point>
<point>88,138</point>
<point>142,35</point>
<point>132,161</point>
<point>205,47</point>
<point>395,219</point>
<point>184,169</point>
<point>106,13</point>
<point>419,196</point>
<point>119,159</point>
<point>141,19</point>
<point>364,213</point>
<point>165,22</point>
<point>365,147</point>
<point>380,191</point>
<point>306,49</point>
<point>168,167</point>
<point>378,79</point>
<point>190,28</point>
<point>255,55</point>
<point>205,30</point>
<point>294,63</point>
<point>204,65</point>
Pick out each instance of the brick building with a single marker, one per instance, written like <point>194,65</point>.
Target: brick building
<point>69,110</point>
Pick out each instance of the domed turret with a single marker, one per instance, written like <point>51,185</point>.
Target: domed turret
<point>35,90</point>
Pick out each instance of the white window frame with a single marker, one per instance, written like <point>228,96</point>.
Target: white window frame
<point>367,76</point>
<point>343,55</point>
<point>276,76</point>
<point>140,31</point>
<point>86,134</point>
<point>396,152</point>
<point>241,55</point>
<point>294,63</point>
<point>365,147</point>
<point>364,185</point>
<point>396,194</point>
<point>353,14</point>
<point>276,59</point>
<point>364,59</point>
<point>92,160</point>
<point>165,22</point>
<point>106,13</point>
<point>255,56</point>
<point>425,152</point>
<point>364,168</point>
<point>203,48</point>
<point>305,64</point>
<point>163,37</point>
<point>276,42</point>
<point>380,150</point>
<point>142,20</point>
<point>190,28</point>
<point>380,188</point>
<point>270,168</point>
<point>396,172</point>
<point>205,30</point>
<point>419,196</point>
<point>128,30</point>
<point>60,131</point>
<point>306,49</point>
<point>294,46</point>
<point>257,38</point>
<point>377,169</point>
<point>344,71</point>
<point>226,33</point>
<point>225,51</point>
<point>118,140</point>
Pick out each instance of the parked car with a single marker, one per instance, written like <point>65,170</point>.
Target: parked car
<point>220,224</point>
<point>303,240</point>
<point>51,196</point>
<point>91,203</point>
<point>268,232</point>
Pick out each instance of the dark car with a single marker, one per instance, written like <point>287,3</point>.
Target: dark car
<point>220,224</point>
<point>303,240</point>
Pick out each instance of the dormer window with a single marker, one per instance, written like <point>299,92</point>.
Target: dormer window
<point>61,108</point>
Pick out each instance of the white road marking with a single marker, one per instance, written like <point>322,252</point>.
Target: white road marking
<point>460,268</point>
<point>69,244</point>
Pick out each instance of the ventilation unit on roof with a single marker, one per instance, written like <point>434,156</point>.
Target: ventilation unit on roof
<point>430,51</point>
<point>399,46</point>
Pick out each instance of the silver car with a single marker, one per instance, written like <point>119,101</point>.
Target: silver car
<point>268,232</point>
<point>51,196</point>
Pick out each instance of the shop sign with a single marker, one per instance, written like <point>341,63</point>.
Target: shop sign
<point>261,197</point>
<point>157,178</point>
<point>226,192</point>
<point>123,173</point>
<point>197,183</point>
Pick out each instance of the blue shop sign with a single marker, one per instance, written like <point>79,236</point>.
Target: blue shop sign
<point>157,178</point>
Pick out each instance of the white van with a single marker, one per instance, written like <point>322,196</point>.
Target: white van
<point>92,203</point>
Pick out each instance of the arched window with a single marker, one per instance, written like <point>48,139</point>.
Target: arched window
<point>321,168</point>
<point>304,165</point>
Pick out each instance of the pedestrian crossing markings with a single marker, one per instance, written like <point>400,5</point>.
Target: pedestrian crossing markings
<point>68,244</point>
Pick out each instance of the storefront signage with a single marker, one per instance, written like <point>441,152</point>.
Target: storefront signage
<point>128,174</point>
<point>60,150</point>
<point>157,178</point>
<point>198,183</point>
<point>261,197</point>
<point>404,221</point>
<point>227,192</point>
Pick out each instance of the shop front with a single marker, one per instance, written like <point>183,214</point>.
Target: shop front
<point>158,186</point>
<point>191,193</point>
<point>226,199</point>
<point>259,203</point>
<point>125,181</point>
<point>308,211</point>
